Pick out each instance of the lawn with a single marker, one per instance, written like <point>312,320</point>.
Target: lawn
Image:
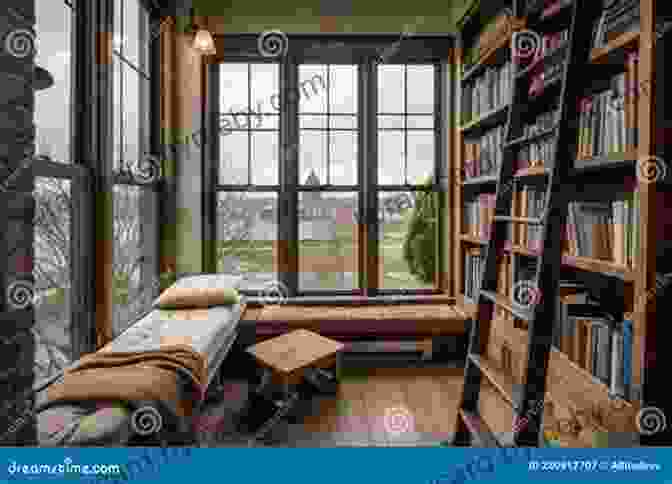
<point>330,259</point>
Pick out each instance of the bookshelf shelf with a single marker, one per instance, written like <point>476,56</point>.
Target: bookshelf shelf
<point>613,52</point>
<point>481,180</point>
<point>611,160</point>
<point>485,122</point>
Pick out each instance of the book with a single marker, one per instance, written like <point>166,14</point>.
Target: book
<point>627,354</point>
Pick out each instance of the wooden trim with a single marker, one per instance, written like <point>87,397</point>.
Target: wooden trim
<point>645,267</point>
<point>455,178</point>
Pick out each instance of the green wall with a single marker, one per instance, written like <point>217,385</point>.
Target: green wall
<point>363,16</point>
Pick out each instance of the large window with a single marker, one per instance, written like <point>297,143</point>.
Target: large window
<point>135,192</point>
<point>56,175</point>
<point>345,171</point>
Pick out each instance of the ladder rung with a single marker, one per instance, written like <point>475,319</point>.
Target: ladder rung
<point>503,302</point>
<point>519,220</point>
<point>530,138</point>
<point>510,390</point>
<point>478,429</point>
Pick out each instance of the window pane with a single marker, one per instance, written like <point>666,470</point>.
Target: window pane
<point>233,89</point>
<point>234,157</point>
<point>343,89</point>
<point>131,116</point>
<point>117,41</point>
<point>311,91</point>
<point>247,228</point>
<point>420,122</point>
<point>313,158</point>
<point>135,27</point>
<point>343,122</point>
<point>135,269</point>
<point>52,106</point>
<point>390,158</point>
<point>396,218</point>
<point>265,158</point>
<point>420,89</point>
<point>420,162</point>
<point>117,138</point>
<point>313,122</point>
<point>391,87</point>
<point>51,269</point>
<point>343,158</point>
<point>264,87</point>
<point>390,122</point>
<point>328,241</point>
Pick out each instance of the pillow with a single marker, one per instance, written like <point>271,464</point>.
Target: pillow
<point>204,281</point>
<point>202,297</point>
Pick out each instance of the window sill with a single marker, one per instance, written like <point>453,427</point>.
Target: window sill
<point>326,300</point>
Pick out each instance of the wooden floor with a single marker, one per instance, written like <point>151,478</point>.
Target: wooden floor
<point>389,406</point>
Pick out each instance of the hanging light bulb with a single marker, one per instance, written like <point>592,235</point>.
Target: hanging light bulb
<point>204,43</point>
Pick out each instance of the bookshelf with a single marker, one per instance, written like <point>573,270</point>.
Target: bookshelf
<point>573,391</point>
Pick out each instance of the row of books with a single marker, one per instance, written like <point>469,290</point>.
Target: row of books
<point>606,230</point>
<point>595,340</point>
<point>607,120</point>
<point>478,214</point>
<point>473,264</point>
<point>483,158</point>
<point>488,92</point>
<point>528,202</point>
<point>619,17</point>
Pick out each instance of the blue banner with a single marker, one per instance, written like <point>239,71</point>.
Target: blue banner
<point>338,465</point>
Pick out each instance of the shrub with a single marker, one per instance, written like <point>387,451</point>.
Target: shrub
<point>420,244</point>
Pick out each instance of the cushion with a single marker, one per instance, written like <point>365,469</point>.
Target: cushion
<point>204,281</point>
<point>203,297</point>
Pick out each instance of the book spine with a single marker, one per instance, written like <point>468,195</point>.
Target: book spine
<point>616,384</point>
<point>627,354</point>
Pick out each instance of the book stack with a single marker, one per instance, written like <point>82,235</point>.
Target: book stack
<point>619,17</point>
<point>605,230</point>
<point>478,215</point>
<point>528,202</point>
<point>484,157</point>
<point>487,92</point>
<point>594,340</point>
<point>534,153</point>
<point>607,120</point>
<point>473,263</point>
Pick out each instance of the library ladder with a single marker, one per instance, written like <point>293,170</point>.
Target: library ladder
<point>536,306</point>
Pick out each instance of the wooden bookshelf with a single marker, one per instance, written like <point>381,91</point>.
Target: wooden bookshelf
<point>571,388</point>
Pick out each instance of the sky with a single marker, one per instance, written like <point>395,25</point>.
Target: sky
<point>54,25</point>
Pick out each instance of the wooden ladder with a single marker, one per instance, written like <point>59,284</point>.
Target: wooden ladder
<point>533,301</point>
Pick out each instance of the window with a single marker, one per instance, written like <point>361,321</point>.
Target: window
<point>361,144</point>
<point>136,175</point>
<point>248,176</point>
<point>56,184</point>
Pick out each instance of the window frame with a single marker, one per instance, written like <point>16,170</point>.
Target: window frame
<point>121,177</point>
<point>422,50</point>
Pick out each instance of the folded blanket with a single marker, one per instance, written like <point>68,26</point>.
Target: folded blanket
<point>136,377</point>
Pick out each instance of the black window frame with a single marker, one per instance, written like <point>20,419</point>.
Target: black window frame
<point>123,175</point>
<point>364,51</point>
